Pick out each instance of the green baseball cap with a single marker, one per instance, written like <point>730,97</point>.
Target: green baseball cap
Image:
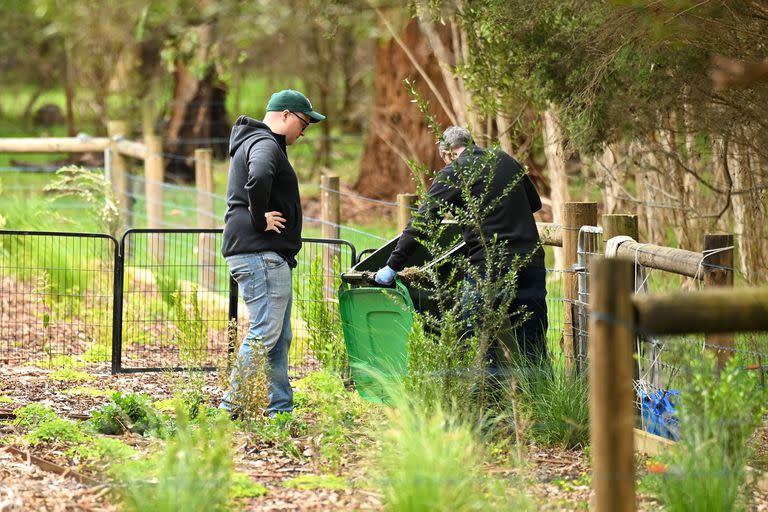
<point>295,102</point>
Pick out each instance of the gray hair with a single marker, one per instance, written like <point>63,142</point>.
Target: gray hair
<point>454,137</point>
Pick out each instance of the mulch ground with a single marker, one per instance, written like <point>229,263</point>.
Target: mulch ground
<point>557,477</point>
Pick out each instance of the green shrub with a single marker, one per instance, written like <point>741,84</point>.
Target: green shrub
<point>309,482</point>
<point>97,353</point>
<point>31,415</point>
<point>191,334</point>
<point>244,487</point>
<point>717,416</point>
<point>103,449</point>
<point>109,419</point>
<point>68,374</point>
<point>556,405</point>
<point>434,462</point>
<point>341,416</point>
<point>57,430</point>
<point>280,431</point>
<point>192,473</point>
<point>128,411</point>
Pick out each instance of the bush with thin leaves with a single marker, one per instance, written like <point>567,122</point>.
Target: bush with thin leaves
<point>556,405</point>
<point>718,414</point>
<point>193,473</point>
<point>435,462</point>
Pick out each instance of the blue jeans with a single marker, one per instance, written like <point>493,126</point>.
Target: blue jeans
<point>264,279</point>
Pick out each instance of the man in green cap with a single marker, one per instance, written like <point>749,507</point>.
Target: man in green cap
<point>262,235</point>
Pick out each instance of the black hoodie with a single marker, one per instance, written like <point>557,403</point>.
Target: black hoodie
<point>260,180</point>
<point>511,221</point>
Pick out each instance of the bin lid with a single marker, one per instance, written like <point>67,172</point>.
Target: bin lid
<point>376,324</point>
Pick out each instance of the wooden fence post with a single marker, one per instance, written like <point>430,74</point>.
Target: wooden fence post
<point>330,214</point>
<point>206,217</point>
<point>623,225</point>
<point>405,204</point>
<point>620,224</point>
<point>154,175</point>
<point>575,215</point>
<point>611,390</point>
<point>119,171</point>
<point>718,271</point>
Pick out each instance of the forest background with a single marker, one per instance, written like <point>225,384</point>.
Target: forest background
<point>647,107</point>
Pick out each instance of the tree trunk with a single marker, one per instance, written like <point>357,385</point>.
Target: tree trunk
<point>397,131</point>
<point>69,89</point>
<point>612,177</point>
<point>199,115</point>
<point>558,179</point>
<point>748,211</point>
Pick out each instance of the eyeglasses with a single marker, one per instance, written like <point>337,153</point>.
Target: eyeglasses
<point>304,123</point>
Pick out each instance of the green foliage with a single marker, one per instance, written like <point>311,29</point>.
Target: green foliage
<point>280,431</point>
<point>244,487</point>
<point>449,359</point>
<point>97,353</point>
<point>102,449</point>
<point>342,419</point>
<point>322,317</point>
<point>56,430</point>
<point>718,414</point>
<point>309,482</point>
<point>60,362</point>
<point>68,374</point>
<point>556,403</point>
<point>132,412</point>
<point>432,461</point>
<point>250,396</point>
<point>32,415</point>
<point>6,399</point>
<point>439,364</point>
<point>191,330</point>
<point>94,189</point>
<point>193,472</point>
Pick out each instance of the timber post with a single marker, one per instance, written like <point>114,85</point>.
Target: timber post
<point>405,205</point>
<point>611,390</point>
<point>119,171</point>
<point>717,266</point>
<point>206,217</point>
<point>575,215</point>
<point>154,176</point>
<point>330,214</point>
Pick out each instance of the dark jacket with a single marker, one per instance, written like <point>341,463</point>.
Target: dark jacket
<point>511,220</point>
<point>261,179</point>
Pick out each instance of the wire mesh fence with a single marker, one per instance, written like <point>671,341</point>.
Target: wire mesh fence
<point>56,297</point>
<point>175,309</point>
<point>315,319</point>
<point>157,300</point>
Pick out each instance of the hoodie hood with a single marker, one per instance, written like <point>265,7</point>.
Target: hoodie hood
<point>247,128</point>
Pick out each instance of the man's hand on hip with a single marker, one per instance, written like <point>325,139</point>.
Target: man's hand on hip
<point>275,221</point>
<point>385,275</point>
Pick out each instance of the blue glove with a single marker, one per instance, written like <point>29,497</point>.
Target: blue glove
<point>385,275</point>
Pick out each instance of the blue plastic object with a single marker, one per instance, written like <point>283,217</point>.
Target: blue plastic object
<point>660,413</point>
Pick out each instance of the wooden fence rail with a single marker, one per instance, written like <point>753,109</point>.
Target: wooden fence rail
<point>618,315</point>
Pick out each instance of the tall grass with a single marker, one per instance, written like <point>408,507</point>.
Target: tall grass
<point>192,473</point>
<point>555,403</point>
<point>718,414</point>
<point>434,461</point>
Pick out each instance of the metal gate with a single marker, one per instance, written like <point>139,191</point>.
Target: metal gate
<point>159,299</point>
